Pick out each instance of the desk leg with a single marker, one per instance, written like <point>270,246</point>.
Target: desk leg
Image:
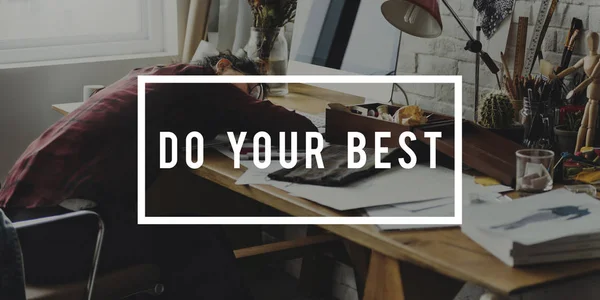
<point>359,256</point>
<point>316,273</point>
<point>383,279</point>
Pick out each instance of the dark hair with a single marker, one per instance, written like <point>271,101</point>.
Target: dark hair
<point>241,64</point>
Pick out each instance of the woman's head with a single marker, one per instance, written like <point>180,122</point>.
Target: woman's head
<point>229,64</point>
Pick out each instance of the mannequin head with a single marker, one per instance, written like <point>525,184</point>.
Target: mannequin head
<point>592,42</point>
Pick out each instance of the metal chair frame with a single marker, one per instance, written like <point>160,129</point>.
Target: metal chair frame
<point>73,215</point>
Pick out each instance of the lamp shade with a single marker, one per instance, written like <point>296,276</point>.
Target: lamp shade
<point>416,17</point>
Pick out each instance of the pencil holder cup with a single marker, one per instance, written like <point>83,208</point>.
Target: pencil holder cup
<point>534,169</point>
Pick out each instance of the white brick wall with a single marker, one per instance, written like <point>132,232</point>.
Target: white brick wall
<point>445,55</point>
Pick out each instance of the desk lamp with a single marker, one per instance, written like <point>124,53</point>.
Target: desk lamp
<point>421,18</point>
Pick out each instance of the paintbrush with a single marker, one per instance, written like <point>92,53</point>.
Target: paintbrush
<point>572,44</point>
<point>576,27</point>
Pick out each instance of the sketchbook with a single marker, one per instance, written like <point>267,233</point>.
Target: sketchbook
<point>549,227</point>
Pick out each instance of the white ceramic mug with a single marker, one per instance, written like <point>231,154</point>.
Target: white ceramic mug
<point>89,90</point>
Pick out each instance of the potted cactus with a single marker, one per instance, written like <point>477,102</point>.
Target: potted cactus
<point>566,134</point>
<point>496,113</point>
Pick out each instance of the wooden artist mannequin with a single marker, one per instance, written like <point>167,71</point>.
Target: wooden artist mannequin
<point>592,83</point>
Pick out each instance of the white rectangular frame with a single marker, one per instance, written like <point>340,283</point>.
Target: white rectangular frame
<point>455,220</point>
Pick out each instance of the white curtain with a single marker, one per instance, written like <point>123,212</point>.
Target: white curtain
<point>235,20</point>
<point>193,18</point>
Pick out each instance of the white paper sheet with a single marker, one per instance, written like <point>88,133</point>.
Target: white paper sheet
<point>255,175</point>
<point>219,140</point>
<point>470,186</point>
<point>443,207</point>
<point>423,205</point>
<point>440,210</point>
<point>444,210</point>
<point>396,185</point>
<point>225,151</point>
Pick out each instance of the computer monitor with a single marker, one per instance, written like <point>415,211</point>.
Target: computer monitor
<point>345,37</point>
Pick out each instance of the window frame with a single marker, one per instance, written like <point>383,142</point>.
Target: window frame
<point>158,37</point>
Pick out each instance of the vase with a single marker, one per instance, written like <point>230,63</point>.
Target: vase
<point>269,48</point>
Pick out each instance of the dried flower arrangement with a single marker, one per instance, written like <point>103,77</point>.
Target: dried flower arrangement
<point>272,14</point>
<point>269,17</point>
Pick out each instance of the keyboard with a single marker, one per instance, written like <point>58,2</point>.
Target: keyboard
<point>317,120</point>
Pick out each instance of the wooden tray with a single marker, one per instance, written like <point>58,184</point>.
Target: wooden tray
<point>339,123</point>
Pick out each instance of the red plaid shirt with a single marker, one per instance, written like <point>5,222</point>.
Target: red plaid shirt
<point>92,152</point>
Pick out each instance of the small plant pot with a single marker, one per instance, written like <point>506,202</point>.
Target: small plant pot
<point>565,139</point>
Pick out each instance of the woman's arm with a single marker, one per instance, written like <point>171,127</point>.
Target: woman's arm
<point>245,113</point>
<point>231,109</point>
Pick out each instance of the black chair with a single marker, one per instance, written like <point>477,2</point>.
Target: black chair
<point>119,284</point>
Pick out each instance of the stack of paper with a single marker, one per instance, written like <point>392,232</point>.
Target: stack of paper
<point>550,227</point>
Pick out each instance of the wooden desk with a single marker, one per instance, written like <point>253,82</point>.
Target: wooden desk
<point>391,269</point>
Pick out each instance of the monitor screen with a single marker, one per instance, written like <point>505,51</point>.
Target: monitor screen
<point>347,35</point>
<point>344,37</point>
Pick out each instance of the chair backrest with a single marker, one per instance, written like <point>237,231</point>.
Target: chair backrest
<point>83,230</point>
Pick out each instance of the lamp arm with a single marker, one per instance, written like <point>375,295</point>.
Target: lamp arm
<point>474,45</point>
<point>460,22</point>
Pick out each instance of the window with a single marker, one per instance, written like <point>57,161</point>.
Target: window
<point>41,31</point>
